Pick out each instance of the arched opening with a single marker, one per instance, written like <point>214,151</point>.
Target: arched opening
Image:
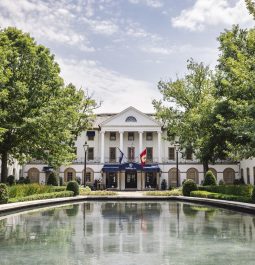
<point>229,176</point>
<point>192,173</point>
<point>33,174</point>
<point>69,174</point>
<point>172,181</point>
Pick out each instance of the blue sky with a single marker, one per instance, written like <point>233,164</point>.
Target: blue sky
<point>119,49</point>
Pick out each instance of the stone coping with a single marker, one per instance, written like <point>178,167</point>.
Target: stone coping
<point>11,208</point>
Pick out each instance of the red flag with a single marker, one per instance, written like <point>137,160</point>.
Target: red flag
<point>143,157</point>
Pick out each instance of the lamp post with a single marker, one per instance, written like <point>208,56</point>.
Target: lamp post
<point>177,145</point>
<point>85,146</point>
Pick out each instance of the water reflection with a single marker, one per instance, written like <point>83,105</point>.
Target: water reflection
<point>128,233</point>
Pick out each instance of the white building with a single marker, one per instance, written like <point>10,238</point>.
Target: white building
<point>131,131</point>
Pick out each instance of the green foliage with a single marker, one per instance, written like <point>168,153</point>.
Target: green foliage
<point>73,186</point>
<point>61,182</point>
<point>52,179</point>
<point>173,192</point>
<point>11,180</point>
<point>87,191</point>
<point>235,90</point>
<point>238,190</point>
<point>253,195</point>
<point>43,196</point>
<point>209,179</point>
<point>22,190</point>
<point>188,186</point>
<point>251,7</point>
<point>23,180</point>
<point>38,112</point>
<point>4,196</point>
<point>219,196</point>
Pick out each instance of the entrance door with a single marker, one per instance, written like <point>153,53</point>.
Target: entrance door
<point>131,180</point>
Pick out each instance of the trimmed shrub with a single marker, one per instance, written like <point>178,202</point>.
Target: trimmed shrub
<point>219,196</point>
<point>43,196</point>
<point>4,196</point>
<point>78,179</point>
<point>52,179</point>
<point>209,179</point>
<point>11,180</point>
<point>238,190</point>
<point>73,186</point>
<point>188,186</point>
<point>221,182</point>
<point>61,182</point>
<point>253,195</point>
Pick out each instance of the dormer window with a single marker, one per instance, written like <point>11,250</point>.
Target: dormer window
<point>131,119</point>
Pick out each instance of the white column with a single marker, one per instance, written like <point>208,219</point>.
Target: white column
<point>102,147</point>
<point>140,142</point>
<point>121,141</point>
<point>159,147</point>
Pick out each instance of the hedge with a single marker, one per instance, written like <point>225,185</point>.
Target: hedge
<point>238,190</point>
<point>43,196</point>
<point>220,196</point>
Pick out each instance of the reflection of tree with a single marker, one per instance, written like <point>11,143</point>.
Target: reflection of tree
<point>73,210</point>
<point>189,211</point>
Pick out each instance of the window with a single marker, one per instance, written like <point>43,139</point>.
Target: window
<point>90,153</point>
<point>171,153</point>
<point>112,136</point>
<point>112,154</point>
<point>149,136</point>
<point>88,177</point>
<point>131,153</point>
<point>69,176</point>
<point>131,136</point>
<point>149,153</point>
<point>91,135</point>
<point>248,175</point>
<point>131,119</point>
<point>189,154</point>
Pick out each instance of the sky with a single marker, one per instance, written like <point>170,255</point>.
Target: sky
<point>118,50</point>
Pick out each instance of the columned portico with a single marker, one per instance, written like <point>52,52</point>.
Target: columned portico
<point>140,141</point>
<point>102,147</point>
<point>159,147</point>
<point>121,140</point>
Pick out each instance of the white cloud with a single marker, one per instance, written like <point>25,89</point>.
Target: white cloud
<point>211,12</point>
<point>158,50</point>
<point>47,21</point>
<point>104,27</point>
<point>115,90</point>
<point>150,3</point>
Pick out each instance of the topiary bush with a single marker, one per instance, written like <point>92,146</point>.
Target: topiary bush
<point>52,179</point>
<point>4,196</point>
<point>210,179</point>
<point>188,186</point>
<point>73,186</point>
<point>163,184</point>
<point>11,180</point>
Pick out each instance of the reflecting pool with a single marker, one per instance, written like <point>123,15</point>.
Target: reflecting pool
<point>128,233</point>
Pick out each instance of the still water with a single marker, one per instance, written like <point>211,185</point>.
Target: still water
<point>128,233</point>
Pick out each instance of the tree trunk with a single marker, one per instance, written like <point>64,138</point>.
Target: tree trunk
<point>205,166</point>
<point>4,167</point>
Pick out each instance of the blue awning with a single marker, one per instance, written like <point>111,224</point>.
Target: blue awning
<point>111,168</point>
<point>151,168</point>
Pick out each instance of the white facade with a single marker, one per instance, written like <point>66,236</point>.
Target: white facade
<point>247,170</point>
<point>131,131</point>
<point>13,168</point>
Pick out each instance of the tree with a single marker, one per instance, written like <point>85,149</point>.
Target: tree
<point>37,111</point>
<point>192,116</point>
<point>251,7</point>
<point>235,89</point>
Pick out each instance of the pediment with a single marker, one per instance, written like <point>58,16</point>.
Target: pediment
<point>131,117</point>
